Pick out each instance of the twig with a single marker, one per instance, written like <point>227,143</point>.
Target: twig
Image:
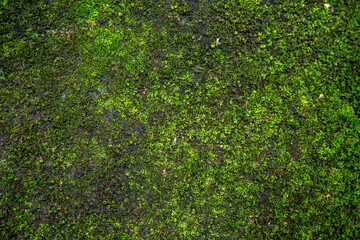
<point>5,70</point>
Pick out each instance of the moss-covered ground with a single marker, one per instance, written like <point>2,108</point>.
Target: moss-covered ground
<point>179,119</point>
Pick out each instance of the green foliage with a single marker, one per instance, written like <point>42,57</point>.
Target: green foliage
<point>179,120</point>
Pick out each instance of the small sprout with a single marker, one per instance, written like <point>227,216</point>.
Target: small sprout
<point>212,45</point>
<point>321,96</point>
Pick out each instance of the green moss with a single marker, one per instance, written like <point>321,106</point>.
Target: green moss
<point>130,120</point>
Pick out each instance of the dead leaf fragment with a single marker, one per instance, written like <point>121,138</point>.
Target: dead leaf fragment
<point>164,173</point>
<point>58,206</point>
<point>253,218</point>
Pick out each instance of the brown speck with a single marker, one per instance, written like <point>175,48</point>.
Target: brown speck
<point>253,218</point>
<point>58,207</point>
<point>91,163</point>
<point>197,69</point>
<point>214,75</point>
<point>164,173</point>
<point>142,92</point>
<point>114,69</point>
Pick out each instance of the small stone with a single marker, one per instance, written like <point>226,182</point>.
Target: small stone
<point>321,96</point>
<point>328,6</point>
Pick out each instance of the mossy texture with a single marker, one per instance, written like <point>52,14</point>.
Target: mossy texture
<point>179,119</point>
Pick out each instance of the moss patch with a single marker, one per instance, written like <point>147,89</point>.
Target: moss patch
<point>179,119</point>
